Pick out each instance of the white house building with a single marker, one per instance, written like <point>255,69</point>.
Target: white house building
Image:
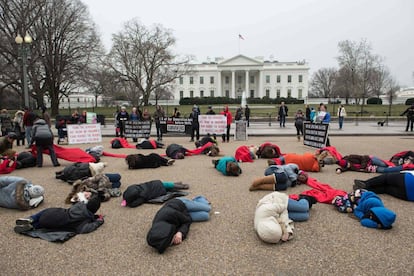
<point>257,77</point>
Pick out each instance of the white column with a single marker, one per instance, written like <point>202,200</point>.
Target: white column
<point>233,84</point>
<point>219,84</point>
<point>260,94</point>
<point>247,84</point>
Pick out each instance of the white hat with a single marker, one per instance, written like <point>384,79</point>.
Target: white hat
<point>97,168</point>
<point>35,191</point>
<point>269,230</point>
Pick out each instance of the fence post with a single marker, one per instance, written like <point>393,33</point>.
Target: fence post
<point>270,119</point>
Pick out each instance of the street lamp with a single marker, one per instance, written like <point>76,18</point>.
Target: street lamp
<point>24,52</point>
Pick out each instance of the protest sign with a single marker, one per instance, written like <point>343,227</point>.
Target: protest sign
<point>84,133</point>
<point>315,135</point>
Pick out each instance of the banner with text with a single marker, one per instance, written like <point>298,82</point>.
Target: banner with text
<point>216,124</point>
<point>314,135</point>
<point>176,125</point>
<point>137,129</point>
<point>84,133</point>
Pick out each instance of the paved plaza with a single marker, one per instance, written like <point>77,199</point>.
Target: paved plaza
<point>329,243</point>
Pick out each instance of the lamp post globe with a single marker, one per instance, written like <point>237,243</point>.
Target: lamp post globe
<point>23,54</point>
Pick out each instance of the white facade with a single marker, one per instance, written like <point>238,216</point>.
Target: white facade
<point>231,77</point>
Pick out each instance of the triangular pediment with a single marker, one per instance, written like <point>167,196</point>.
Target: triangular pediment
<point>240,60</point>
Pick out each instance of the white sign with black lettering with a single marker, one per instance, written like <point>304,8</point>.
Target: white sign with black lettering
<point>315,134</point>
<point>84,133</point>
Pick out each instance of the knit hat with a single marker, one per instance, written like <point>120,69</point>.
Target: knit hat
<point>93,204</point>
<point>161,235</point>
<point>343,163</point>
<point>281,177</point>
<point>97,168</point>
<point>12,135</point>
<point>269,230</point>
<point>380,217</point>
<point>35,191</point>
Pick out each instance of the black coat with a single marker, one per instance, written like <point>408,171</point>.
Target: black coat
<point>138,194</point>
<point>173,217</point>
<point>173,149</point>
<point>76,219</point>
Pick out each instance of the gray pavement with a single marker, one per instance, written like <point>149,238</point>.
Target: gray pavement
<point>329,243</point>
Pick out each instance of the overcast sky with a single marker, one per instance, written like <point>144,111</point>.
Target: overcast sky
<point>286,30</point>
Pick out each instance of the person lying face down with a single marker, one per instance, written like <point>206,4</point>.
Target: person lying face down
<point>171,223</point>
<point>228,166</point>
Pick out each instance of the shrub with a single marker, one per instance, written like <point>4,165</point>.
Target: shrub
<point>374,101</point>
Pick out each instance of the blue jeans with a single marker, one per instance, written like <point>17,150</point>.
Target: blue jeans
<point>389,169</point>
<point>198,208</point>
<point>115,179</point>
<point>28,134</point>
<point>341,122</point>
<point>298,210</point>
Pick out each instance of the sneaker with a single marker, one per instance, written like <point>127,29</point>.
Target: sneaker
<point>359,184</point>
<point>214,162</point>
<point>24,221</point>
<point>170,162</point>
<point>23,228</point>
<point>56,165</point>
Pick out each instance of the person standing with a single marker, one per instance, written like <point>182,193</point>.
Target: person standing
<point>308,113</point>
<point>195,125</point>
<point>299,117</point>
<point>19,127</point>
<point>239,114</point>
<point>409,112</point>
<point>28,121</point>
<point>46,116</point>
<point>177,113</point>
<point>158,114</point>
<point>210,111</point>
<point>229,117</point>
<point>247,114</point>
<point>134,116</point>
<point>122,117</point>
<point>283,112</point>
<point>42,136</point>
<point>341,115</point>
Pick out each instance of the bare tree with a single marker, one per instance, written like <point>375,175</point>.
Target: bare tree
<point>16,17</point>
<point>358,61</point>
<point>380,80</point>
<point>143,57</point>
<point>64,44</point>
<point>323,81</point>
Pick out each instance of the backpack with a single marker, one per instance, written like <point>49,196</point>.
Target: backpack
<point>71,173</point>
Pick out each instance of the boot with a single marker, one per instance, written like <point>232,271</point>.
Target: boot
<point>271,162</point>
<point>359,184</point>
<point>298,136</point>
<point>270,179</point>
<point>180,185</point>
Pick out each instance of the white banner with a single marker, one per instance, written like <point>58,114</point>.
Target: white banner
<point>84,133</point>
<point>213,124</point>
